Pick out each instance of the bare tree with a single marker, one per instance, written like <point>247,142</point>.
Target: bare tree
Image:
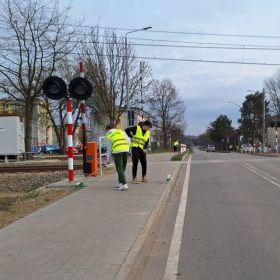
<point>272,86</point>
<point>167,108</point>
<point>105,63</point>
<point>36,36</point>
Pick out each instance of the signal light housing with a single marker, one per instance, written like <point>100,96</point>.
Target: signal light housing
<point>80,88</point>
<point>54,88</point>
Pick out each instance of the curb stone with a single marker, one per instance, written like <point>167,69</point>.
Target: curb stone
<point>134,253</point>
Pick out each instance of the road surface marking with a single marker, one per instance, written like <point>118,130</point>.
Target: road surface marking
<point>171,269</point>
<point>273,180</point>
<point>232,160</point>
<point>261,171</point>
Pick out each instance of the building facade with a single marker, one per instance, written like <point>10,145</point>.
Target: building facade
<point>271,137</point>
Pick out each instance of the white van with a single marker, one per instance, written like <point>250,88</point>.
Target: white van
<point>211,148</point>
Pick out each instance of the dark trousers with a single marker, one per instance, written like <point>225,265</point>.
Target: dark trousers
<point>120,163</point>
<point>138,154</point>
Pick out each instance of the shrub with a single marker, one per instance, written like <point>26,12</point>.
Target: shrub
<point>178,157</point>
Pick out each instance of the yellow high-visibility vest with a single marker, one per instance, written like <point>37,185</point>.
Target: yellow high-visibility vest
<point>176,143</point>
<point>139,139</point>
<point>118,140</point>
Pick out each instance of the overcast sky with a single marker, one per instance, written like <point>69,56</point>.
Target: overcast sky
<point>207,88</point>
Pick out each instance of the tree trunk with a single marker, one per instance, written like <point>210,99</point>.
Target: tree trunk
<point>60,144</point>
<point>61,139</point>
<point>64,142</point>
<point>165,138</point>
<point>28,130</point>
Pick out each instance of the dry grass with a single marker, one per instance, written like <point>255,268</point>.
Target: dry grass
<point>20,202</point>
<point>14,206</point>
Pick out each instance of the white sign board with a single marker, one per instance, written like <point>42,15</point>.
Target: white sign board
<point>183,148</point>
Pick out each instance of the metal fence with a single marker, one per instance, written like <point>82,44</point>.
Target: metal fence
<point>103,147</point>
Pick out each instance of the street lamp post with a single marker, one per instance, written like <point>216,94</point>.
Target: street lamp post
<point>263,124</point>
<point>141,91</point>
<point>126,68</point>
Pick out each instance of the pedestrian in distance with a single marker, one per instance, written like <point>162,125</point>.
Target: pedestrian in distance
<point>140,136</point>
<point>119,149</point>
<point>176,145</point>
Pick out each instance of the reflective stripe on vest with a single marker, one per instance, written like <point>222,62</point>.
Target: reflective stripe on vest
<point>119,141</point>
<point>139,139</point>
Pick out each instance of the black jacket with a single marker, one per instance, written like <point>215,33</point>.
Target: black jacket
<point>131,131</point>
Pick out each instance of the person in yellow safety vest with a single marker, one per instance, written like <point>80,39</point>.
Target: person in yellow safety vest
<point>176,145</point>
<point>120,149</point>
<point>140,136</point>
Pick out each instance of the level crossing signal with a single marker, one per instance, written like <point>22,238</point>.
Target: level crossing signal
<point>55,88</point>
<point>80,88</point>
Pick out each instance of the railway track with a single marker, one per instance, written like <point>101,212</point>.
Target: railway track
<point>37,168</point>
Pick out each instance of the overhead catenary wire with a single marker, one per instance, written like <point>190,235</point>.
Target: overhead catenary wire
<point>195,33</point>
<point>198,45</point>
<point>167,58</point>
<point>217,45</point>
<point>180,45</point>
<point>248,46</point>
<point>178,32</point>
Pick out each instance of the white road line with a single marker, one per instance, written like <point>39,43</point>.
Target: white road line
<point>261,171</point>
<point>171,269</point>
<point>262,174</point>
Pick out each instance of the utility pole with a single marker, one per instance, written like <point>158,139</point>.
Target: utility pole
<point>141,90</point>
<point>276,140</point>
<point>263,124</point>
<point>126,81</point>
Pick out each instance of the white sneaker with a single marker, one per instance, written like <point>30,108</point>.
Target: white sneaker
<point>125,186</point>
<point>121,187</point>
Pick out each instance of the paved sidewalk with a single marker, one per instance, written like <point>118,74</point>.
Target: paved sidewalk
<point>86,235</point>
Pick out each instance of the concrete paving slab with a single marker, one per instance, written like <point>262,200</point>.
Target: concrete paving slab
<point>86,235</point>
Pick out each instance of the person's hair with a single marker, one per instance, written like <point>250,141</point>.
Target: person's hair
<point>117,122</point>
<point>109,126</point>
<point>147,123</point>
<point>113,124</point>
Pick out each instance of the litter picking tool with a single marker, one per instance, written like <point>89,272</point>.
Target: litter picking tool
<point>80,185</point>
<point>168,176</point>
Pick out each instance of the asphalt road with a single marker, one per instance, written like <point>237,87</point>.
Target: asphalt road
<point>232,219</point>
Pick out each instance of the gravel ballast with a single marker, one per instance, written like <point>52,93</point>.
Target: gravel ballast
<point>22,182</point>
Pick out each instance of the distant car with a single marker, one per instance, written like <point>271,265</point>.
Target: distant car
<point>267,149</point>
<point>210,148</point>
<point>36,150</point>
<point>50,149</point>
<point>246,148</point>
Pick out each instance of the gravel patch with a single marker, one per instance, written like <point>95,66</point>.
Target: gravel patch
<point>22,182</point>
